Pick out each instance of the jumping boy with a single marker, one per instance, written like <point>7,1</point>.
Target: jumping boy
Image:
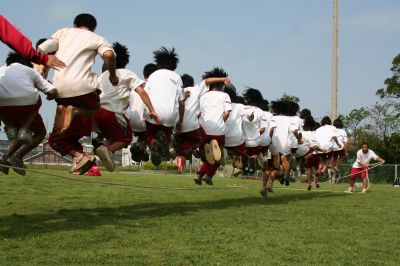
<point>78,97</point>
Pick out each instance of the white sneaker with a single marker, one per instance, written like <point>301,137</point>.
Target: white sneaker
<point>82,162</point>
<point>216,151</point>
<point>237,172</point>
<point>17,162</point>
<point>11,132</point>
<point>349,190</point>
<point>106,157</point>
<point>208,153</point>
<point>364,190</point>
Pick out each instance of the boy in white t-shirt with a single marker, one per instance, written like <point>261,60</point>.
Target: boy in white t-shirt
<point>78,98</point>
<point>110,120</point>
<point>360,167</point>
<point>253,129</point>
<point>339,152</point>
<point>165,90</point>
<point>326,137</point>
<point>19,96</point>
<point>135,115</point>
<point>215,107</point>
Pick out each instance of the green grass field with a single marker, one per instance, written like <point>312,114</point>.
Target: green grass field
<point>54,221</point>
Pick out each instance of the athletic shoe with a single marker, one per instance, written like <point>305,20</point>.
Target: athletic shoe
<point>350,190</point>
<point>208,180</point>
<point>364,190</point>
<point>264,191</point>
<point>282,180</point>
<point>87,166</point>
<point>17,162</point>
<point>106,158</point>
<point>216,151</point>
<point>245,164</point>
<point>97,142</point>
<point>287,182</point>
<point>145,156</point>
<point>25,136</point>
<point>81,161</point>
<point>197,153</point>
<point>172,152</point>
<point>309,187</point>
<point>237,172</point>
<point>11,132</point>
<point>4,162</point>
<point>209,154</point>
<point>252,165</point>
<point>155,155</point>
<point>135,153</point>
<point>198,180</point>
<point>163,143</point>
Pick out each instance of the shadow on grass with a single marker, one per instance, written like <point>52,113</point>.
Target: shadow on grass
<point>15,226</point>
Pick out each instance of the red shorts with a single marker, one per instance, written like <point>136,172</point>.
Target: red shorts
<point>16,115</point>
<point>151,130</point>
<point>238,150</point>
<point>358,171</point>
<point>206,168</point>
<point>90,101</point>
<point>339,154</point>
<point>312,161</point>
<point>188,141</point>
<point>111,129</point>
<point>253,151</point>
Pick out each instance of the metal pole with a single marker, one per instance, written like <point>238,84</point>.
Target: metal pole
<point>334,113</point>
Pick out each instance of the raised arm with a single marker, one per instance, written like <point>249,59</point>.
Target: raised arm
<point>109,60</point>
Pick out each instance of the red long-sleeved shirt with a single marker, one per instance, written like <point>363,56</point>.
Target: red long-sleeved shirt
<point>15,39</point>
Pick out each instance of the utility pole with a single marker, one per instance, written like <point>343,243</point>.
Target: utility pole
<point>334,112</point>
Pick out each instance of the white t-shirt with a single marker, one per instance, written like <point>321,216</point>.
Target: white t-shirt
<point>213,104</point>
<point>234,132</point>
<point>135,112</point>
<point>309,141</point>
<point>19,85</point>
<point>296,124</point>
<point>265,139</point>
<point>251,129</point>
<point>364,158</point>
<point>116,99</point>
<point>77,48</point>
<point>280,138</point>
<point>324,136</point>
<point>342,139</point>
<point>164,88</point>
<point>192,107</point>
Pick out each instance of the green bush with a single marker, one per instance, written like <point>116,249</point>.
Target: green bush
<point>162,166</point>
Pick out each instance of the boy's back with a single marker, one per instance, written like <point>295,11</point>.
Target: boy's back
<point>78,49</point>
<point>213,104</point>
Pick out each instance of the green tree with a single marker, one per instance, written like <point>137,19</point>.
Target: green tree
<point>353,123</point>
<point>290,98</point>
<point>392,89</point>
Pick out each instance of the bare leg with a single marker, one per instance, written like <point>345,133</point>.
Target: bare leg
<point>36,139</point>
<point>59,118</point>
<point>365,183</point>
<point>71,112</point>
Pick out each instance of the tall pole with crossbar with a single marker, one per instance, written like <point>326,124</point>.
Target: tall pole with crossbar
<point>334,112</point>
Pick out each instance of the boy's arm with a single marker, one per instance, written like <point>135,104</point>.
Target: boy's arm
<point>109,60</point>
<point>226,81</point>
<point>181,114</point>
<point>146,100</point>
<point>226,114</point>
<point>44,86</point>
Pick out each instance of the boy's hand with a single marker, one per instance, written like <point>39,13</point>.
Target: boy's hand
<point>227,82</point>
<point>54,62</point>
<point>52,94</point>
<point>187,95</point>
<point>153,115</point>
<point>114,80</point>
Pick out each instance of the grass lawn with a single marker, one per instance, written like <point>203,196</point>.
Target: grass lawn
<point>49,220</point>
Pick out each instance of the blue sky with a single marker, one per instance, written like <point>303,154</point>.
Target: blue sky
<point>275,46</point>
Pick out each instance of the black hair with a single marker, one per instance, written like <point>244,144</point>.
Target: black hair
<point>309,122</point>
<point>338,123</point>
<point>293,108</point>
<point>317,125</point>
<point>305,113</point>
<point>264,105</point>
<point>276,107</point>
<point>365,143</point>
<point>149,69</point>
<point>14,57</point>
<point>239,99</point>
<point>326,121</point>
<point>166,59</point>
<point>232,94</point>
<point>187,80</point>
<point>122,58</point>
<point>215,73</point>
<point>85,20</point>
<point>253,97</point>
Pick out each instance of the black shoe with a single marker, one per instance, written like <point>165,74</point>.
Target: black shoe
<point>252,165</point>
<point>135,153</point>
<point>97,142</point>
<point>287,183</point>
<point>282,180</point>
<point>164,145</point>
<point>155,153</point>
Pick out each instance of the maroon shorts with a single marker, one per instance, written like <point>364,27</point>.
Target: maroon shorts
<point>151,130</point>
<point>90,101</point>
<point>238,150</point>
<point>16,115</point>
<point>312,161</point>
<point>108,124</point>
<point>264,149</point>
<point>188,141</point>
<point>325,156</point>
<point>339,154</point>
<point>358,171</point>
<point>253,151</point>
